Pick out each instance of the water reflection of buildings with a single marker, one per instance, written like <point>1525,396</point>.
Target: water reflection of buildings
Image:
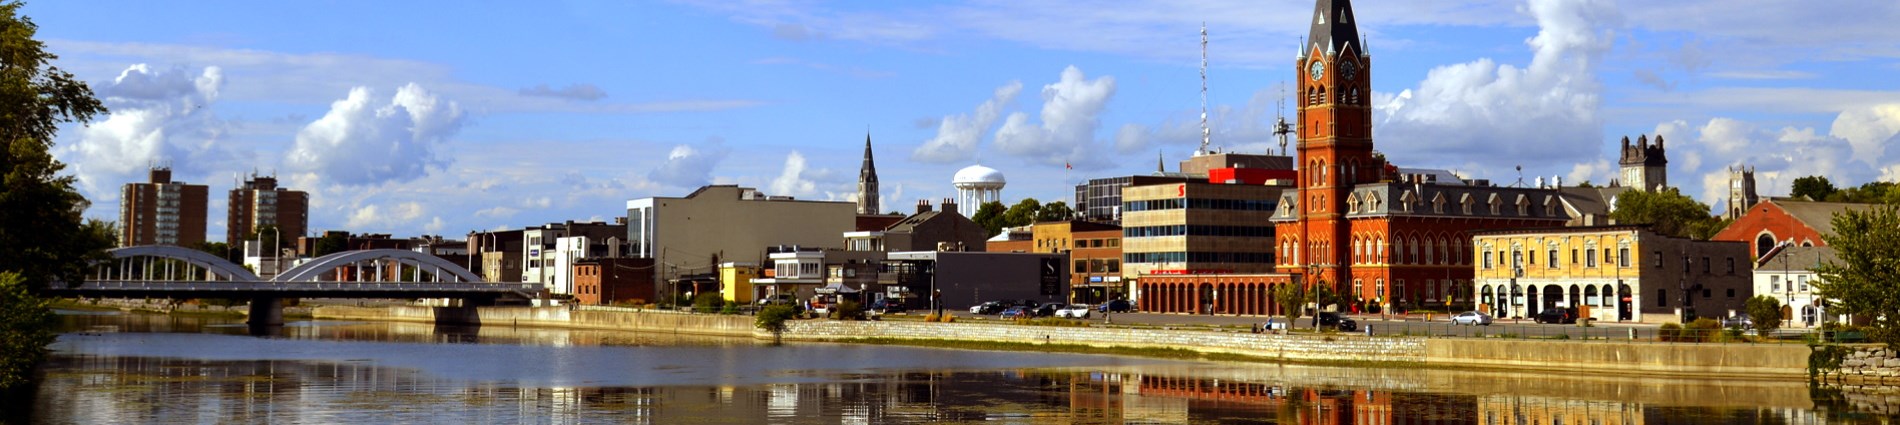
<point>1218,400</point>
<point>1512,409</point>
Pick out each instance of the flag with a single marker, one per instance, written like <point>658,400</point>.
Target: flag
<point>1066,166</point>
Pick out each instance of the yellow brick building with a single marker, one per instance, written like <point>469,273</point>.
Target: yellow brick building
<point>1609,273</point>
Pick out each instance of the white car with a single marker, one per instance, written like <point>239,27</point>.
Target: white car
<point>1074,311</point>
<point>1471,318</point>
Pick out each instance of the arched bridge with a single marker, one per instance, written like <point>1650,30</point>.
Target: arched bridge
<point>177,272</point>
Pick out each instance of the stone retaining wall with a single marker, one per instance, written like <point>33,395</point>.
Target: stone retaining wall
<point>1778,361</point>
<point>1343,347</point>
<point>1859,364</point>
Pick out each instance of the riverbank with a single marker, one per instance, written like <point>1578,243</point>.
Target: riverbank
<point>167,306</point>
<point>1748,361</point>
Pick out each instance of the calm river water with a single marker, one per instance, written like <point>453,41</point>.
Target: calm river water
<point>139,368</point>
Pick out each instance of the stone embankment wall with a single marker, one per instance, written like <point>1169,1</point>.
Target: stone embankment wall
<point>1662,359</point>
<point>1344,347</point>
<point>1859,364</point>
<point>173,306</point>
<point>559,317</point>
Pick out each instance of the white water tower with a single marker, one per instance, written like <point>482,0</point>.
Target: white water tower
<point>977,185</point>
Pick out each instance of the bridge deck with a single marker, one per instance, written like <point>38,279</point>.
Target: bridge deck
<point>307,289</point>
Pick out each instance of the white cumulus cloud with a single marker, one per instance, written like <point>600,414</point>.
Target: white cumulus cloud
<point>365,140</point>
<point>1504,115</point>
<point>958,135</point>
<point>792,181</point>
<point>159,116</point>
<point>1070,115</point>
<point>1852,153</point>
<point>690,167</point>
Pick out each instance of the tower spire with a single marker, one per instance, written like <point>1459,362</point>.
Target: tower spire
<point>867,182</point>
<point>1206,134</point>
<point>1161,166</point>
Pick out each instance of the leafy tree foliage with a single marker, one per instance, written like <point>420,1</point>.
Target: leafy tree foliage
<point>1055,211</point>
<point>331,243</point>
<point>39,209</point>
<point>1023,213</point>
<point>1765,311</point>
<point>26,328</point>
<point>1814,187</point>
<point>772,319</point>
<point>1870,193</point>
<point>1667,212</point>
<point>43,238</point>
<point>1292,300</point>
<point>1866,281</point>
<point>990,216</point>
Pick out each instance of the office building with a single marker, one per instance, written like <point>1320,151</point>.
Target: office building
<point>162,211</point>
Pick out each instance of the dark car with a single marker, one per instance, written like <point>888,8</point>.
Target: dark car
<point>1116,306</point>
<point>1337,321</point>
<point>887,306</point>
<point>1031,304</point>
<point>1047,310</point>
<point>1016,313</point>
<point>1556,315</point>
<point>991,307</point>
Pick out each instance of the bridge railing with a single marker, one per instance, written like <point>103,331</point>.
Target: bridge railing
<point>145,285</point>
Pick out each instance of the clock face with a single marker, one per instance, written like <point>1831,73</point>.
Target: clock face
<point>1348,69</point>
<point>1318,69</point>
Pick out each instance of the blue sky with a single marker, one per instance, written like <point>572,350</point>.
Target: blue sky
<point>445,117</point>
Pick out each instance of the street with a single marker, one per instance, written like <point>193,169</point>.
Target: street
<point>1407,325</point>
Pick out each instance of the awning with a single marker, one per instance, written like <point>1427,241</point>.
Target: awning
<point>836,288</point>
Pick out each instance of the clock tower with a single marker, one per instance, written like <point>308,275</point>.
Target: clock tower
<point>1335,141</point>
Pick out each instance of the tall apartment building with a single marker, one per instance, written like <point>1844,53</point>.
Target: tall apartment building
<point>162,212</point>
<point>258,203</point>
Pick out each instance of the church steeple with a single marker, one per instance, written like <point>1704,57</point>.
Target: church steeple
<point>867,182</point>
<point>1334,27</point>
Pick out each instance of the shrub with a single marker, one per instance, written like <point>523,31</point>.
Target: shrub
<point>847,310</point>
<point>708,302</point>
<point>932,317</point>
<point>730,308</point>
<point>1702,330</point>
<point>772,319</point>
<point>1669,332</point>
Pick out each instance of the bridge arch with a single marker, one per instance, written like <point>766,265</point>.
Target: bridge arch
<point>216,265</point>
<point>315,268</point>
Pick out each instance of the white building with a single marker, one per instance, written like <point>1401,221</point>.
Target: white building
<point>1787,273</point>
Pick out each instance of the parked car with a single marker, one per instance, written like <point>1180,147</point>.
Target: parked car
<point>1049,310</point>
<point>1116,306</point>
<point>1337,321</point>
<point>1074,311</point>
<point>1031,304</point>
<point>1016,313</point>
<point>1473,318</point>
<point>1743,322</point>
<point>887,306</point>
<point>1556,315</point>
<point>991,307</point>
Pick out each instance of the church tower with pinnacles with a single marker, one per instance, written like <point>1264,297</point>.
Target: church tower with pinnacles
<point>867,182</point>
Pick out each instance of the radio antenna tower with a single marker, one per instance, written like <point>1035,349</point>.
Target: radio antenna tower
<point>1206,134</point>
<point>1280,126</point>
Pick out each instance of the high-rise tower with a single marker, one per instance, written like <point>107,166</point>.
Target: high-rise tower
<point>867,182</point>
<point>1335,131</point>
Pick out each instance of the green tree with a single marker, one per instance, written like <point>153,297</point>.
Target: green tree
<point>1667,212</point>
<point>1866,280</point>
<point>772,319</point>
<point>1023,213</point>
<point>1765,311</point>
<point>1870,193</point>
<point>26,328</point>
<point>1816,188</point>
<point>1292,300</point>
<point>43,237</point>
<point>331,243</point>
<point>1055,211</point>
<point>990,216</point>
<point>39,208</point>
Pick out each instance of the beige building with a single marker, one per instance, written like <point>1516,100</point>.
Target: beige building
<point>1194,228</point>
<point>1610,273</point>
<point>725,223</point>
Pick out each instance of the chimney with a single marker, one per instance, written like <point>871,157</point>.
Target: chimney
<point>948,205</point>
<point>923,206</point>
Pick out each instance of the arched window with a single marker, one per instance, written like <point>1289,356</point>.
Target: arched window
<point>1322,94</point>
<point>1763,243</point>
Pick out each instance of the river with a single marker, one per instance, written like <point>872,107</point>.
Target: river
<point>145,368</point>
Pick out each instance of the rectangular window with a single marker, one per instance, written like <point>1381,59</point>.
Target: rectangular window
<point>1573,257</point>
<point>1487,259</point>
<point>1659,262</point>
<point>1774,283</point>
<point>1803,280</point>
<point>1590,258</point>
<point>1081,266</point>
<point>1731,292</point>
<point>1662,298</point>
<point>1623,257</point>
<point>1705,265</point>
<point>1553,258</point>
<point>1731,266</point>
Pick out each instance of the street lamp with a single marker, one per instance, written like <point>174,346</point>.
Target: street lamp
<point>1313,270</point>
